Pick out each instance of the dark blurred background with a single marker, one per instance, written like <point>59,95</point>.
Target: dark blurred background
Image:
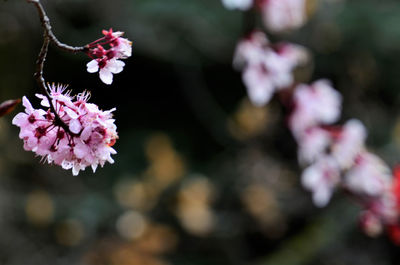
<point>201,175</point>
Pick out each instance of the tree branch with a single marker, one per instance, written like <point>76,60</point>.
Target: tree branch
<point>48,37</point>
<point>45,21</point>
<point>42,83</point>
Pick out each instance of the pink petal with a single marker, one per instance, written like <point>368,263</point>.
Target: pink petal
<point>27,105</point>
<point>81,150</point>
<point>75,126</point>
<point>87,131</point>
<point>44,102</point>
<point>20,119</point>
<point>72,114</point>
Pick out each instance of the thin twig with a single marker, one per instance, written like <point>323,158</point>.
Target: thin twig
<point>45,21</point>
<point>42,83</point>
<point>48,37</point>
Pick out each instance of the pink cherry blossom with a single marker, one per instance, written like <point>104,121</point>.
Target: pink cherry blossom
<point>87,141</point>
<point>318,103</point>
<point>369,176</point>
<point>107,61</point>
<point>380,212</point>
<point>266,69</point>
<point>281,15</point>
<point>313,143</point>
<point>349,143</point>
<point>123,48</point>
<point>321,178</point>
<point>250,50</point>
<point>259,86</point>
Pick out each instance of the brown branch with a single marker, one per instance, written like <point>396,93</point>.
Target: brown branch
<point>48,36</point>
<point>45,21</point>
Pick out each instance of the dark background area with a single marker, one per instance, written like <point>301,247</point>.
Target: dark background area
<point>201,176</point>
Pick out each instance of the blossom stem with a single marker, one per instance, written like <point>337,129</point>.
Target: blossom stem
<point>106,42</point>
<point>94,43</point>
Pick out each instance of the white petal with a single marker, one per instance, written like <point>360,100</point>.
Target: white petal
<point>106,76</point>
<point>115,66</point>
<point>112,151</point>
<point>110,160</point>
<point>259,86</point>
<point>92,66</point>
<point>118,34</point>
<point>75,170</point>
<point>94,167</point>
<point>67,164</point>
<point>321,197</point>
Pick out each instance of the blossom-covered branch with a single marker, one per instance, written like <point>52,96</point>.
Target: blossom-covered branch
<point>72,132</point>
<point>106,61</point>
<point>334,156</point>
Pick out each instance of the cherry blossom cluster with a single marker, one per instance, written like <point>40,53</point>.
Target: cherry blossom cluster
<point>267,68</point>
<point>83,137</point>
<point>277,15</point>
<point>71,132</point>
<point>107,61</point>
<point>334,156</point>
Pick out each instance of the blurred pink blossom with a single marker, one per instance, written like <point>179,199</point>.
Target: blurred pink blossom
<point>349,143</point>
<point>321,178</point>
<point>381,208</point>
<point>281,15</point>
<point>313,143</point>
<point>318,103</point>
<point>335,155</point>
<point>266,69</point>
<point>369,176</point>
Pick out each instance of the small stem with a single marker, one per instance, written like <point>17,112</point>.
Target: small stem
<point>94,43</point>
<point>45,21</point>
